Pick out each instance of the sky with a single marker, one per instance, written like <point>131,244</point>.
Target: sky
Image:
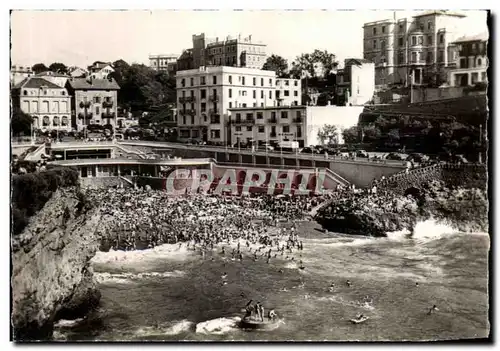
<point>78,38</point>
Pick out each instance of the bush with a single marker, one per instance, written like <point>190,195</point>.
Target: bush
<point>31,191</point>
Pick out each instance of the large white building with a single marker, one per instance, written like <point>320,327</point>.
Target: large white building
<point>205,95</point>
<point>47,103</point>
<point>289,123</point>
<point>288,92</point>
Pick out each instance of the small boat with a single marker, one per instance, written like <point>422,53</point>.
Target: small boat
<point>257,324</point>
<point>359,320</point>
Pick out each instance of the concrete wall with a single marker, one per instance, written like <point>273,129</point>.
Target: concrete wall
<point>362,173</point>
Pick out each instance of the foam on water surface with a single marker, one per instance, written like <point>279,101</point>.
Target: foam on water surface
<point>218,326</point>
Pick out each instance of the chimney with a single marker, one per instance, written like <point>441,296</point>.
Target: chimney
<point>250,38</point>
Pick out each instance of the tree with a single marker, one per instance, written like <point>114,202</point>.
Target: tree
<point>39,68</point>
<point>435,76</point>
<point>310,62</point>
<point>277,64</point>
<point>20,122</point>
<point>58,67</point>
<point>351,135</point>
<point>329,134</point>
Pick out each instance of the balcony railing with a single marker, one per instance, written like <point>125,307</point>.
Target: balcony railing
<point>84,104</point>
<point>215,120</point>
<point>214,98</point>
<point>81,115</point>
<point>184,99</point>
<point>244,121</point>
<point>272,120</point>
<point>298,120</point>
<point>107,104</point>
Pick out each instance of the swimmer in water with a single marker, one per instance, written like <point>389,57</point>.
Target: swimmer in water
<point>224,276</point>
<point>281,271</point>
<point>348,283</point>
<point>416,284</point>
<point>433,309</point>
<point>224,283</point>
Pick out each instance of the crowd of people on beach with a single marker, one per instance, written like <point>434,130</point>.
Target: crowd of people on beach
<point>135,219</point>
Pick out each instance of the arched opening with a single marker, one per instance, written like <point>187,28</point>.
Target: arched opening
<point>64,121</point>
<point>46,121</point>
<point>55,121</point>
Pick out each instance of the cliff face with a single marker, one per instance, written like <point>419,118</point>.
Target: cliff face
<point>50,277</point>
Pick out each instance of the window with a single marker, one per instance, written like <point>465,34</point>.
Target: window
<point>270,94</point>
<point>441,39</point>
<point>413,40</point>
<point>230,93</point>
<point>287,82</point>
<point>243,93</point>
<point>420,56</point>
<point>287,92</point>
<point>203,93</point>
<point>183,119</point>
<point>230,79</point>
<point>483,76</point>
<point>97,99</point>
<point>295,93</point>
<point>479,62</point>
<point>374,31</point>
<point>296,83</point>
<point>261,129</point>
<point>25,92</point>
<point>183,82</point>
<point>260,115</point>
<point>214,78</point>
<point>286,129</point>
<point>481,46</point>
<point>238,116</point>
<point>383,29</point>
<point>203,107</point>
<point>420,40</point>
<point>441,56</point>
<point>249,116</point>
<point>413,57</point>
<point>230,104</point>
<point>192,81</point>
<point>238,128</point>
<point>401,58</point>
<point>429,40</point>
<point>284,114</point>
<point>97,110</point>
<point>254,81</point>
<point>192,93</point>
<point>262,94</point>
<point>298,114</point>
<point>400,27</point>
<point>429,25</point>
<point>249,128</point>
<point>270,82</point>
<point>255,94</point>
<point>429,57</point>
<point>463,63</point>
<point>254,104</point>
<point>243,105</point>
<point>202,81</point>
<point>215,134</point>
<point>243,80</point>
<point>262,82</point>
<point>474,77</point>
<point>374,44</point>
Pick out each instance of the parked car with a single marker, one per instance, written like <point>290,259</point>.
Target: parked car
<point>418,157</point>
<point>266,146</point>
<point>362,154</point>
<point>309,150</point>
<point>395,156</point>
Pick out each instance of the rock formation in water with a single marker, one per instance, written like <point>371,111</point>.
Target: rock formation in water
<point>51,278</point>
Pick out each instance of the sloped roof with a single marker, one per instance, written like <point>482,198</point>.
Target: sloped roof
<point>478,37</point>
<point>97,84</point>
<point>52,74</point>
<point>359,61</point>
<point>36,83</point>
<point>440,12</point>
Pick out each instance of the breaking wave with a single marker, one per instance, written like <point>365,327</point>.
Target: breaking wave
<point>127,278</point>
<point>165,329</point>
<point>218,326</point>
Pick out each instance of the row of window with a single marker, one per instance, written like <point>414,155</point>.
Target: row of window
<point>32,107</point>
<point>401,27</point>
<point>203,93</point>
<point>415,40</point>
<point>262,129</point>
<point>43,92</point>
<point>241,80</point>
<point>284,115</point>
<point>46,121</point>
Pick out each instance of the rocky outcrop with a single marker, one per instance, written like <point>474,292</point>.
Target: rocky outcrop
<point>51,277</point>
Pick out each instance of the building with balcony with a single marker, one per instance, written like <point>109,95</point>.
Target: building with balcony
<point>19,73</point>
<point>472,61</point>
<point>47,103</point>
<point>205,95</point>
<point>408,50</point>
<point>100,70</point>
<point>289,123</point>
<point>229,51</point>
<point>94,101</point>
<point>163,63</point>
<point>356,82</point>
<point>288,92</point>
